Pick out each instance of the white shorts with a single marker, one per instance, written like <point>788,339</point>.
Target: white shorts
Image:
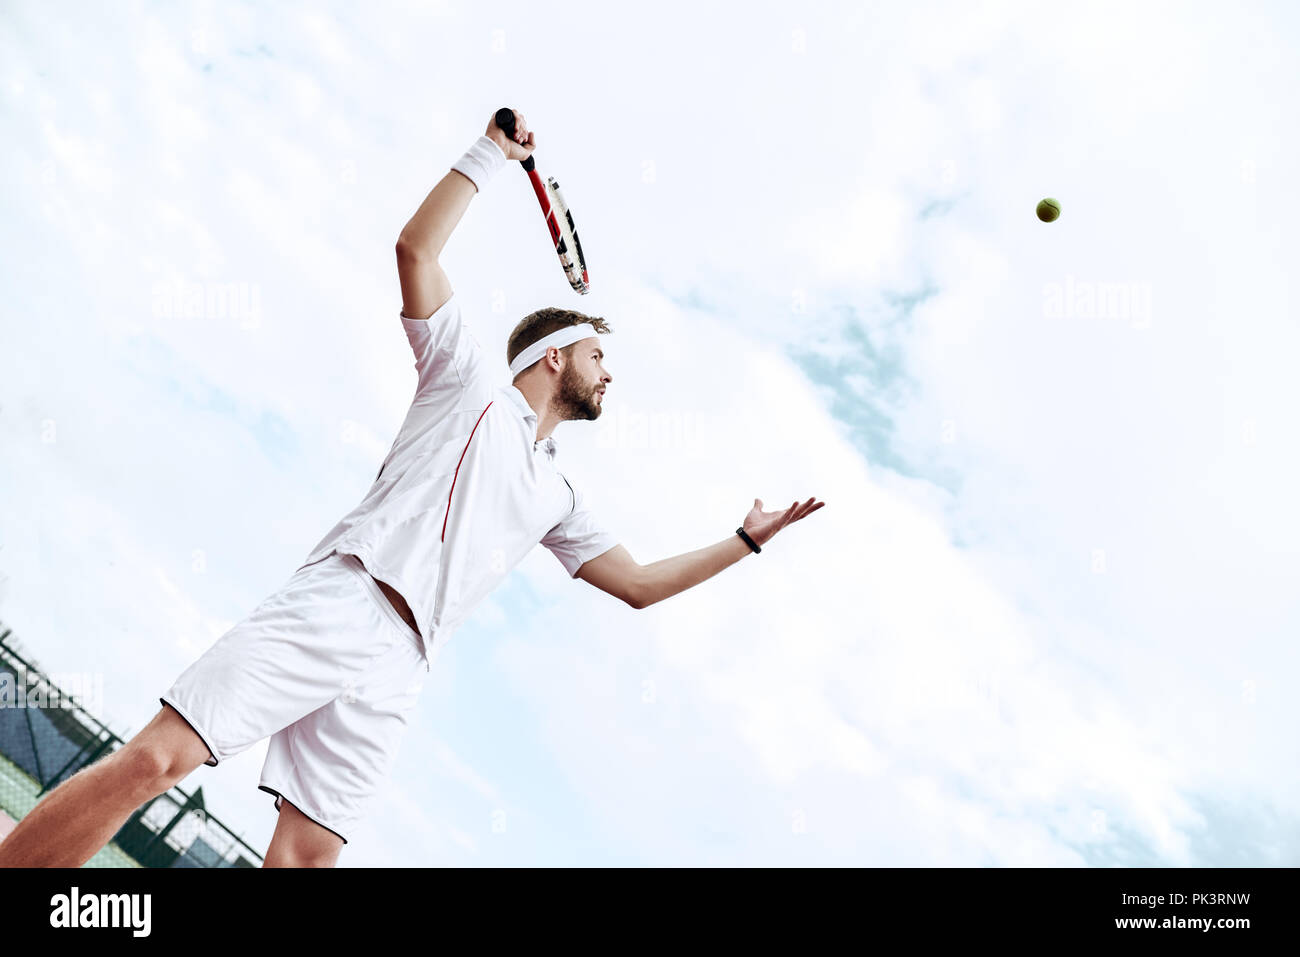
<point>329,670</point>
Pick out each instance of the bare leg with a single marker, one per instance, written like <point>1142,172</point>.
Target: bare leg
<point>301,842</point>
<point>76,819</point>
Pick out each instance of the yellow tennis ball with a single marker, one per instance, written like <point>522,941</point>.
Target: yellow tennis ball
<point>1048,209</point>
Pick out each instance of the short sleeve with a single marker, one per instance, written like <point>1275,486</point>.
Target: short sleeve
<point>447,356</point>
<point>578,538</point>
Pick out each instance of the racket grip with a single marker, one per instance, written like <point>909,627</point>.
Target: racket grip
<point>505,118</point>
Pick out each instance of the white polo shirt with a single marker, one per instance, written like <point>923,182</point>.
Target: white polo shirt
<point>466,490</point>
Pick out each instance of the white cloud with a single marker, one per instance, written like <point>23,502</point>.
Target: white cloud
<point>1044,617</point>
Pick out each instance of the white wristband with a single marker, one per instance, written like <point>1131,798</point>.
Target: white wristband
<point>481,161</point>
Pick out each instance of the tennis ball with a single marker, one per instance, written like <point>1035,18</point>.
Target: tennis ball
<point>1048,209</point>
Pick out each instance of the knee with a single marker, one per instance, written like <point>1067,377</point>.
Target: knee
<point>284,856</point>
<point>161,755</point>
<point>148,767</point>
<point>296,849</point>
<point>301,842</point>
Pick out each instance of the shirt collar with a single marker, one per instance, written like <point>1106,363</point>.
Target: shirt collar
<point>528,415</point>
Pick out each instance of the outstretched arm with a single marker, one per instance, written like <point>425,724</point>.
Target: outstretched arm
<point>639,585</point>
<point>425,287</point>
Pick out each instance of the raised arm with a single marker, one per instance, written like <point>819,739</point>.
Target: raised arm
<point>639,585</point>
<point>425,287</point>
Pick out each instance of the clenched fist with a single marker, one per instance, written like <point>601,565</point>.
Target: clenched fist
<point>518,148</point>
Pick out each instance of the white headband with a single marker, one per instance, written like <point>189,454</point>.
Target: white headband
<point>560,338</point>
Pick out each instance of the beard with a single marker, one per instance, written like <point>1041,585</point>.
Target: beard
<point>576,399</point>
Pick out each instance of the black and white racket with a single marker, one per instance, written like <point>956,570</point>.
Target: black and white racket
<point>559,220</point>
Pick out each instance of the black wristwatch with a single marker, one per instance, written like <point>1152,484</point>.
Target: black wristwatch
<point>748,541</point>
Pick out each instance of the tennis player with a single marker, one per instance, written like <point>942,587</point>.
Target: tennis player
<point>331,665</point>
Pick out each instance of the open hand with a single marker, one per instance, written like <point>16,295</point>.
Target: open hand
<point>761,526</point>
<point>518,148</point>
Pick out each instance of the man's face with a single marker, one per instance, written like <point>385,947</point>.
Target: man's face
<point>583,381</point>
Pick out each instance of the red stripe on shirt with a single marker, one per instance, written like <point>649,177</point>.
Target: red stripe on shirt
<point>443,537</point>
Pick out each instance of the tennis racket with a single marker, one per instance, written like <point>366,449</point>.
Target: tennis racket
<point>559,220</point>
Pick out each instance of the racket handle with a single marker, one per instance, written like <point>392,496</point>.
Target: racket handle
<point>505,118</point>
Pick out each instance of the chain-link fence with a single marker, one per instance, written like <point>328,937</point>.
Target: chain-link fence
<point>46,736</point>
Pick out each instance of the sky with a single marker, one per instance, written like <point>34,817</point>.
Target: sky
<point>1048,614</point>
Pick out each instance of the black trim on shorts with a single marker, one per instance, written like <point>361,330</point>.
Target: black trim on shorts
<point>211,762</point>
<point>268,790</point>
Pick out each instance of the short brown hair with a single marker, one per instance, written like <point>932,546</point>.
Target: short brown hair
<point>540,324</point>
